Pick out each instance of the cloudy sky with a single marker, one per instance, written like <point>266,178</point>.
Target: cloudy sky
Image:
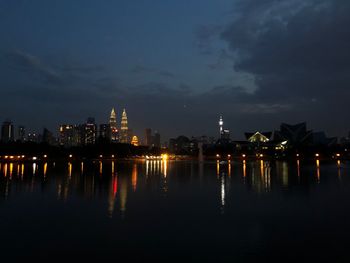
<point>177,65</point>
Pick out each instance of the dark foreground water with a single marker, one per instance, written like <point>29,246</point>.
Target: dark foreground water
<point>252,211</point>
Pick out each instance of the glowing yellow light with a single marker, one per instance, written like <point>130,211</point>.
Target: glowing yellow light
<point>243,155</point>
<point>23,156</point>
<point>217,168</point>
<point>34,158</point>
<point>297,154</point>
<point>100,167</point>
<point>165,156</point>
<point>112,155</point>
<point>45,169</point>
<point>11,157</point>
<point>101,156</point>
<point>69,169</point>
<point>70,156</point>
<point>6,157</point>
<point>218,155</point>
<point>317,155</point>
<point>338,155</point>
<point>45,156</point>
<point>244,168</point>
<point>229,156</point>
<point>261,155</point>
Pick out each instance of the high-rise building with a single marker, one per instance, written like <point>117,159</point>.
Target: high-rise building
<point>90,131</point>
<point>124,128</point>
<point>105,132</point>
<point>7,132</point>
<point>148,137</point>
<point>48,137</point>
<point>21,133</point>
<point>66,135</point>
<point>113,126</point>
<point>221,126</point>
<point>156,141</point>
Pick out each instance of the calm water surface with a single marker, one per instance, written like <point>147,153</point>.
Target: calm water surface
<point>253,211</point>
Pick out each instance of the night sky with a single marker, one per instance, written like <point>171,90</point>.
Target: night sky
<point>177,65</point>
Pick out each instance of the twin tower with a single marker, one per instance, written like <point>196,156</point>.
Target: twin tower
<point>121,135</point>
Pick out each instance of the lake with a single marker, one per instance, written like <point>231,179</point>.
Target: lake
<point>176,211</point>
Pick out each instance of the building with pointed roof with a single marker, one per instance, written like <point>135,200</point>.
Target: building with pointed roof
<point>124,128</point>
<point>113,126</point>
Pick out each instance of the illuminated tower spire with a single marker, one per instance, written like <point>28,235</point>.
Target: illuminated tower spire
<point>221,125</point>
<point>124,128</point>
<point>113,126</point>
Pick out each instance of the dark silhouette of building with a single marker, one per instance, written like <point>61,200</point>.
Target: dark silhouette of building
<point>105,133</point>
<point>48,137</point>
<point>7,132</point>
<point>21,133</point>
<point>295,135</point>
<point>156,141</point>
<point>148,137</point>
<point>180,145</point>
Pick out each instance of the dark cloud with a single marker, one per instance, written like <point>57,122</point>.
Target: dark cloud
<point>298,52</point>
<point>297,47</point>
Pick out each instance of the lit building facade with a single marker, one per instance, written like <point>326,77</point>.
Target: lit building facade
<point>114,133</point>
<point>135,141</point>
<point>66,135</point>
<point>124,128</point>
<point>90,131</point>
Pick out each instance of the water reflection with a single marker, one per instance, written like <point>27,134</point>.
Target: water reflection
<point>222,194</point>
<point>318,172</point>
<point>134,177</point>
<point>116,182</point>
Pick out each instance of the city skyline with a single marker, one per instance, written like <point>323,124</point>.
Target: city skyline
<point>256,64</point>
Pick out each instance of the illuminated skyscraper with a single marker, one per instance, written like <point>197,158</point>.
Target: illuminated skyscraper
<point>124,128</point>
<point>221,126</point>
<point>90,131</point>
<point>113,126</point>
